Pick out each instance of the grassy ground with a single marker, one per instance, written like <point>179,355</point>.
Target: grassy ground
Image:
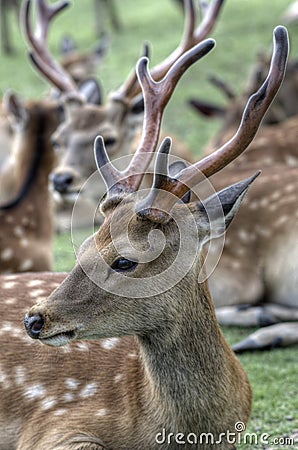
<point>245,28</point>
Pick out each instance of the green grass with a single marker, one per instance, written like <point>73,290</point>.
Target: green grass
<point>245,27</point>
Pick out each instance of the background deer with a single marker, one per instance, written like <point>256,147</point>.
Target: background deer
<point>26,222</point>
<point>213,392</point>
<point>119,120</point>
<point>283,107</point>
<point>81,65</point>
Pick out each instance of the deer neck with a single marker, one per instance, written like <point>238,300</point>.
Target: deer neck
<point>186,361</point>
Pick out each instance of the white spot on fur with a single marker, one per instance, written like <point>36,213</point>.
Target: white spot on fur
<point>289,199</point>
<point>235,264</point>
<point>291,161</point>
<point>281,220</point>
<point>264,202</point>
<point>273,207</point>
<point>34,283</point>
<point>68,397</point>
<point>24,242</point>
<point>20,375</point>
<point>9,219</point>
<point>35,391</point>
<point>18,231</point>
<point>118,377</point>
<point>240,251</point>
<point>4,381</point>
<point>101,412</point>
<point>37,293</point>
<point>89,390</point>
<point>9,284</point>
<point>26,265</point>
<point>245,236</point>
<point>10,277</point>
<point>10,300</point>
<point>48,403</point>
<point>25,221</point>
<point>82,346</point>
<point>60,412</point>
<point>6,327</point>
<point>275,196</point>
<point>107,344</point>
<point>6,254</point>
<point>71,383</point>
<point>253,205</point>
<point>264,232</point>
<point>290,188</point>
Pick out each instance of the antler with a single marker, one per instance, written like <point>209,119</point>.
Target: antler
<point>156,96</point>
<point>40,55</point>
<point>191,37</point>
<point>157,204</point>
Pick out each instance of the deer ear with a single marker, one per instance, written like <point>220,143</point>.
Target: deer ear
<point>14,105</point>
<point>174,169</point>
<point>137,107</point>
<point>91,90</point>
<point>207,109</point>
<point>67,45</point>
<point>218,211</point>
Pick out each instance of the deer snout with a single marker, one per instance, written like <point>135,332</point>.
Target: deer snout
<point>34,325</point>
<point>62,182</point>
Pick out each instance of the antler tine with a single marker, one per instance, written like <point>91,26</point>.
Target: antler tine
<point>42,58</point>
<point>256,108</point>
<point>108,172</point>
<point>191,37</point>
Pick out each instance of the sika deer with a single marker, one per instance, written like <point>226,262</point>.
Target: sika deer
<point>161,362</point>
<point>26,222</point>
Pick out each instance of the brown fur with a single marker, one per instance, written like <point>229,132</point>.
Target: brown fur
<point>26,229</point>
<point>177,372</point>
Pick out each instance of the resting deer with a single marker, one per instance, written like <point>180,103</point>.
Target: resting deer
<point>26,222</point>
<point>159,361</point>
<point>119,121</point>
<point>284,106</point>
<point>82,65</point>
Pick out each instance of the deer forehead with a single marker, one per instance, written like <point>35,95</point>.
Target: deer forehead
<point>122,227</point>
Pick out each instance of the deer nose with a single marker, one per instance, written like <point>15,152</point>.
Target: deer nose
<point>34,325</point>
<point>62,182</point>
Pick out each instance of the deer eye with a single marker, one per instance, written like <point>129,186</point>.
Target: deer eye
<point>56,145</point>
<point>123,265</point>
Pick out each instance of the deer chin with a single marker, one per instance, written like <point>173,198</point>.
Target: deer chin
<point>59,339</point>
<point>66,198</point>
